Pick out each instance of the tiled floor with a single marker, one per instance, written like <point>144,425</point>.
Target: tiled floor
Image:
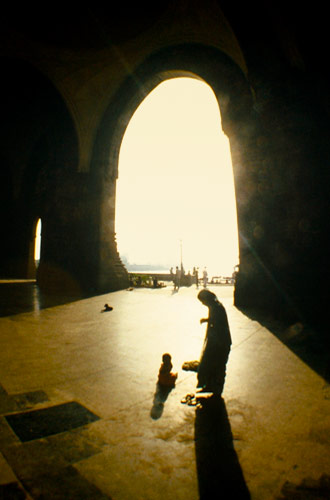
<point>270,434</point>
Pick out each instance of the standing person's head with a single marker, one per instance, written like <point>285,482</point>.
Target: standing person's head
<point>206,297</point>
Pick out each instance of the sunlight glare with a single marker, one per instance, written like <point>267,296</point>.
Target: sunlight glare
<point>176,182</point>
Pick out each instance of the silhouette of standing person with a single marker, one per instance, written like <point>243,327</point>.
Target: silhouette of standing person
<point>177,277</point>
<point>212,366</point>
<point>195,274</point>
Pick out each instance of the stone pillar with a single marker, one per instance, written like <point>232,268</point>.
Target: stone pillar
<point>257,282</point>
<point>112,275</point>
<point>69,250</point>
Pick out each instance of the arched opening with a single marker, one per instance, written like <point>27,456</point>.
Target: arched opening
<point>34,249</point>
<point>231,90</point>
<point>37,243</point>
<point>40,157</point>
<point>175,199</point>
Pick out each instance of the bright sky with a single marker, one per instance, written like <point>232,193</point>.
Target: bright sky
<point>176,182</point>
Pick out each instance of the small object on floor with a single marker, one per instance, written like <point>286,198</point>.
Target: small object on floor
<point>196,399</point>
<point>187,398</point>
<point>190,366</point>
<point>107,308</point>
<point>204,395</point>
<point>190,400</point>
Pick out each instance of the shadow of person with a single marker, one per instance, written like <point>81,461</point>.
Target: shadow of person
<point>218,469</point>
<point>160,396</point>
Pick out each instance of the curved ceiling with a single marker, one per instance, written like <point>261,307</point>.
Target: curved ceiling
<point>83,27</point>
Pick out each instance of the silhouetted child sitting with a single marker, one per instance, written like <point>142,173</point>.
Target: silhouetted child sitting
<point>165,377</point>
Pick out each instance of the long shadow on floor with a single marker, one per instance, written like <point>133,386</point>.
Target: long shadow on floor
<point>310,344</point>
<point>18,297</point>
<point>160,397</point>
<point>218,469</point>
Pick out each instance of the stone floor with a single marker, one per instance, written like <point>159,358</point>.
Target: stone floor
<point>106,432</point>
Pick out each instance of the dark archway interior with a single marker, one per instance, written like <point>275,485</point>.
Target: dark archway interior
<point>39,152</point>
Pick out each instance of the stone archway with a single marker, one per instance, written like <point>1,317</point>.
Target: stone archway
<point>236,107</point>
<point>39,150</point>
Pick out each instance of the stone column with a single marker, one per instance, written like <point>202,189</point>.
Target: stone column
<point>256,284</point>
<point>69,250</point>
<point>112,275</point>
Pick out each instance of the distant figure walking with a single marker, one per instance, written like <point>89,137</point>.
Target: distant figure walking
<point>195,274</point>
<point>177,278</point>
<point>205,277</point>
<point>212,367</point>
<point>173,277</point>
<point>166,378</point>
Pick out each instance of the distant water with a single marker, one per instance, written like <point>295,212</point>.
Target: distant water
<point>167,271</point>
<point>147,270</point>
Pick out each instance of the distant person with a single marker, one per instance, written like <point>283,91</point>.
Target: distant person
<point>166,378</point>
<point>172,275</point>
<point>235,274</point>
<point>205,277</point>
<point>177,278</point>
<point>212,366</point>
<point>195,274</point>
